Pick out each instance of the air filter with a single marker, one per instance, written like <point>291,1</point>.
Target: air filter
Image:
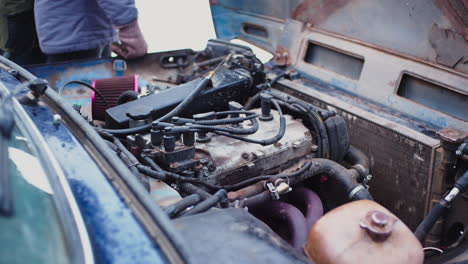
<point>110,89</point>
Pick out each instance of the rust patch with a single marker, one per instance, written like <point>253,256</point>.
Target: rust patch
<point>451,48</point>
<point>457,12</point>
<point>452,135</point>
<point>316,11</point>
<point>282,57</point>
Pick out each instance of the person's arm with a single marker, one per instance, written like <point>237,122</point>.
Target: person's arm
<point>124,16</point>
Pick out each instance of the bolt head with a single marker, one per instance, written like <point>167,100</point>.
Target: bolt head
<point>379,219</point>
<point>379,225</point>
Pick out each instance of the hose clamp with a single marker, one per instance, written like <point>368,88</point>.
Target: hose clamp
<point>355,190</point>
<point>273,191</point>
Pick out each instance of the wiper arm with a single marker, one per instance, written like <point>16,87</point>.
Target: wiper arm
<point>6,129</point>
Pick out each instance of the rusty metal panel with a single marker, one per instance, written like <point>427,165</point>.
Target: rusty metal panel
<point>381,77</point>
<point>431,30</point>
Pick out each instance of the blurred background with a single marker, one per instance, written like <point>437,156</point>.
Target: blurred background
<point>180,24</point>
<point>175,24</point>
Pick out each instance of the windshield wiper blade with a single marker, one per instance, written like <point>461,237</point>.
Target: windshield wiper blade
<point>6,129</point>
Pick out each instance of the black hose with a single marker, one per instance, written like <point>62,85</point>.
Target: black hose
<point>119,145</point>
<point>227,121</point>
<point>322,142</point>
<point>161,176</point>
<point>462,182</point>
<point>174,209</point>
<point>346,178</point>
<point>151,163</point>
<point>189,188</point>
<point>313,113</point>
<point>256,200</point>
<point>88,86</point>
<point>179,108</point>
<point>235,131</point>
<point>251,102</point>
<point>253,180</point>
<point>219,196</point>
<point>127,96</point>
<point>426,225</point>
<point>300,107</point>
<point>359,161</point>
<point>265,142</point>
<point>439,209</point>
<point>277,78</point>
<point>131,162</point>
<point>318,127</point>
<point>356,156</point>
<point>316,167</point>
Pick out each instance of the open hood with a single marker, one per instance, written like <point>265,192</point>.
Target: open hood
<point>433,31</point>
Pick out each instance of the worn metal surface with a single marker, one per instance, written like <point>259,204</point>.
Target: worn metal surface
<point>234,160</point>
<point>408,25</point>
<point>383,67</point>
<point>381,78</point>
<point>452,135</point>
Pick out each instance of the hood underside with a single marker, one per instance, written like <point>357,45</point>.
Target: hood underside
<point>434,31</point>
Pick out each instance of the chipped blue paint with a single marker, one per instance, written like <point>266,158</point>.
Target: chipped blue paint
<point>115,233</point>
<point>60,73</point>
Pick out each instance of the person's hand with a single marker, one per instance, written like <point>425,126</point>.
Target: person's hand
<point>133,44</point>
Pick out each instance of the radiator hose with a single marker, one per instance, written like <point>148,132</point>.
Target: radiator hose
<point>439,209</point>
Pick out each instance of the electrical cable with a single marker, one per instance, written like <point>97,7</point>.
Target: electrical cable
<point>264,142</point>
<point>88,86</point>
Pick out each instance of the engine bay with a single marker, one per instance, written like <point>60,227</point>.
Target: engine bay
<point>224,137</point>
<point>212,134</point>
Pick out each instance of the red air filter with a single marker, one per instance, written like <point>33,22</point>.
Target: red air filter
<point>110,89</point>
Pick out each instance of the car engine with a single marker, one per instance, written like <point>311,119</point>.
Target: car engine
<point>217,133</point>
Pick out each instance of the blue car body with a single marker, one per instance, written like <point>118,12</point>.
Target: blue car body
<point>116,235</point>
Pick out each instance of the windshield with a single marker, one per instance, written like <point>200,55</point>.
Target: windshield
<point>33,232</point>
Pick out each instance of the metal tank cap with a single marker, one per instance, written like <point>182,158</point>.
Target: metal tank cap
<point>378,225</point>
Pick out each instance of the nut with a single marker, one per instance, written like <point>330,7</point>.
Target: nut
<point>378,225</point>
